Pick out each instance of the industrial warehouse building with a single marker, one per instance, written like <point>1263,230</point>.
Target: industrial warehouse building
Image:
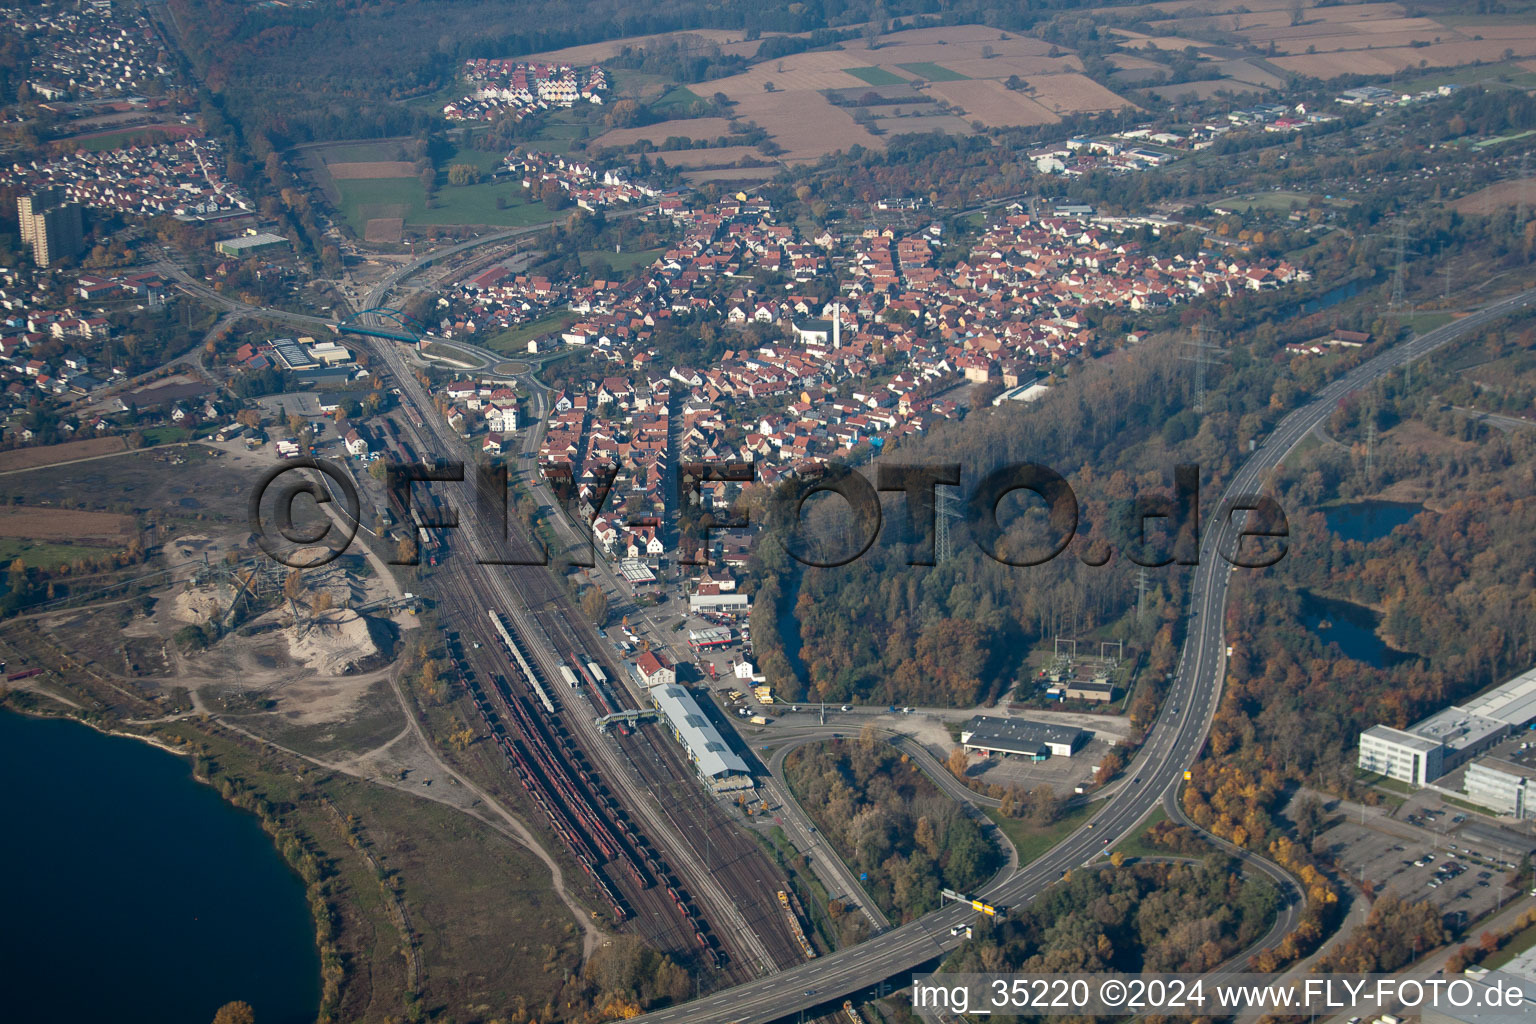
<point>1035,740</point>
<point>1097,690</point>
<point>716,763</point>
<point>1453,737</point>
<point>250,244</point>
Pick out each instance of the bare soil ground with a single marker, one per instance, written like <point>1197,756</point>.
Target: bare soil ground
<point>801,120</point>
<point>804,123</point>
<point>1070,94</point>
<point>53,454</point>
<point>1495,197</point>
<point>371,169</point>
<point>67,524</point>
<point>993,104</point>
<point>384,229</point>
<point>1371,38</point>
<point>724,156</point>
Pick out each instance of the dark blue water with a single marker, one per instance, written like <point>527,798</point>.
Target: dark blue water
<point>1332,297</point>
<point>1365,521</point>
<point>1352,627</point>
<point>135,894</point>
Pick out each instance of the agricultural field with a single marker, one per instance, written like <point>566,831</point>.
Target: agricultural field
<point>875,76</point>
<point>1497,197</point>
<point>722,156</point>
<point>95,529</point>
<point>949,124</point>
<point>53,454</point>
<point>993,104</point>
<point>932,72</point>
<point>1327,42</point>
<point>381,197</point>
<point>963,66</point>
<point>702,128</point>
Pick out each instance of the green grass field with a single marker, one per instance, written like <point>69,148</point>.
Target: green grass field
<point>468,204</point>
<point>1032,840</point>
<point>875,76</point>
<point>117,140</point>
<point>365,198</point>
<point>166,435</point>
<point>621,262</point>
<point>934,72</point>
<point>1519,943</point>
<point>1136,844</point>
<point>675,98</point>
<point>45,555</point>
<point>515,339</point>
<point>369,150</point>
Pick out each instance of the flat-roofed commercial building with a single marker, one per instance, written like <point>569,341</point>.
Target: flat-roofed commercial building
<point>1502,786</point>
<point>252,244</point>
<point>732,604</point>
<point>1513,703</point>
<point>292,355</point>
<point>1464,734</point>
<point>711,755</point>
<point>1451,737</point>
<point>1401,755</point>
<point>1036,740</point>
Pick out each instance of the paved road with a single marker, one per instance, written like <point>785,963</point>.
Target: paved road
<point>1173,745</point>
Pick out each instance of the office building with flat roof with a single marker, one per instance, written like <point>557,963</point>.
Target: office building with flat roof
<point>1036,740</point>
<point>1401,755</point>
<point>1451,737</point>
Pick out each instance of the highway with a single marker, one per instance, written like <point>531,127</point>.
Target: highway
<point>1172,747</point>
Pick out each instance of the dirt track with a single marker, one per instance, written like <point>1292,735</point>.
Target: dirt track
<point>49,455</point>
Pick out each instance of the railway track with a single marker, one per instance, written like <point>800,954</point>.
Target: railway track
<point>732,896</point>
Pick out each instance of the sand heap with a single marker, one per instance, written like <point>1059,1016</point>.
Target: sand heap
<point>333,643</point>
<point>199,604</point>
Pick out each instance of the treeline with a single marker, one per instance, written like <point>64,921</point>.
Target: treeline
<point>1137,917</point>
<point>1395,935</point>
<point>960,631</point>
<point>888,820</point>
<point>1453,585</point>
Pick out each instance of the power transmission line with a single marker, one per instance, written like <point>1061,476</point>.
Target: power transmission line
<point>1201,351</point>
<point>943,512</point>
<point>1399,247</point>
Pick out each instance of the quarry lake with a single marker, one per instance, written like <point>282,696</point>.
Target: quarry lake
<point>135,894</point>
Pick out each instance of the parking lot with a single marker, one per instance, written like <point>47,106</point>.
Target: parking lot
<point>1437,856</point>
<point>1062,774</point>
